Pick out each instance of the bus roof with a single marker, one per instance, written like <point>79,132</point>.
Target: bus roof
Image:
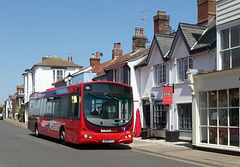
<point>66,89</point>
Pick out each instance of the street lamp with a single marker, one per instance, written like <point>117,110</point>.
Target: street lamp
<point>69,78</point>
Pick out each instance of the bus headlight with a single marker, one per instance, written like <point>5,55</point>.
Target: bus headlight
<point>126,136</point>
<point>129,136</point>
<point>85,136</point>
<point>90,136</point>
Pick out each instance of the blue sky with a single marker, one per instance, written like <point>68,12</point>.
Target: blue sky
<point>32,29</point>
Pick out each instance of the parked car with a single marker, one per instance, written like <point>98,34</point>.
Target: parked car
<point>1,117</point>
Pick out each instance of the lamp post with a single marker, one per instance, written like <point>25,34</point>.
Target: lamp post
<point>69,78</point>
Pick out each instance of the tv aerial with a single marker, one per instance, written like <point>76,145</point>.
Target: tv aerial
<point>144,19</point>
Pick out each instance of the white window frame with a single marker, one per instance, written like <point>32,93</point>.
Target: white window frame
<point>185,116</point>
<point>159,116</point>
<point>183,66</point>
<point>218,107</point>
<point>56,76</point>
<point>160,76</point>
<point>228,48</point>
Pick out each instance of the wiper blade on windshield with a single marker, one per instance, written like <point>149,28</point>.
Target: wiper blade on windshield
<point>97,97</point>
<point>112,97</point>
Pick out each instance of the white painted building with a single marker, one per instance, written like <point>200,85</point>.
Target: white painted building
<point>170,56</point>
<point>8,107</point>
<point>216,103</point>
<point>41,76</point>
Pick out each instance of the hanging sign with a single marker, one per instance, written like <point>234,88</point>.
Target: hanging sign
<point>167,94</point>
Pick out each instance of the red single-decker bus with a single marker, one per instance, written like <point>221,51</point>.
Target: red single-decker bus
<point>86,113</point>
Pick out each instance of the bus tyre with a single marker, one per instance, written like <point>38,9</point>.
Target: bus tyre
<point>36,131</point>
<point>62,137</point>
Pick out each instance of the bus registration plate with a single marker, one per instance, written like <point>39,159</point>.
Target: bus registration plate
<point>108,141</point>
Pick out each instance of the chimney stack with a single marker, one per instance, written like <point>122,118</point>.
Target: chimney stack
<point>94,60</point>
<point>117,51</point>
<point>45,57</point>
<point>206,11</point>
<point>139,40</point>
<point>161,22</point>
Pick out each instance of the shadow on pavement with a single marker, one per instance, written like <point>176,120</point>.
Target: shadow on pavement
<point>86,146</point>
<point>188,145</point>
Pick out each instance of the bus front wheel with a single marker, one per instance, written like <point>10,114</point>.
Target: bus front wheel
<point>62,137</point>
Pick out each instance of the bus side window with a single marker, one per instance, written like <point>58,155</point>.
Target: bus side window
<point>32,108</point>
<point>75,106</point>
<point>56,107</point>
<point>49,111</point>
<point>43,107</point>
<point>64,107</point>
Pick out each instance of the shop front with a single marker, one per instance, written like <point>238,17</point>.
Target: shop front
<point>216,110</point>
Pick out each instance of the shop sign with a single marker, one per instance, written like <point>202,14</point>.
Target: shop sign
<point>167,94</point>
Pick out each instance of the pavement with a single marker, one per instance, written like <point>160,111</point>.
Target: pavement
<point>180,151</point>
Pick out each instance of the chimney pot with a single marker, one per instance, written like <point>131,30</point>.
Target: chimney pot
<point>94,60</point>
<point>141,31</point>
<point>117,51</point>
<point>159,12</point>
<point>115,45</point>
<point>139,41</point>
<point>136,30</point>
<point>119,45</point>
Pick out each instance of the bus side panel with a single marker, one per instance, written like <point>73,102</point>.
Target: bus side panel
<point>31,123</point>
<point>72,131</point>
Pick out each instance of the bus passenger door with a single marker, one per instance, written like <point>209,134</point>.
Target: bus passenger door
<point>72,127</point>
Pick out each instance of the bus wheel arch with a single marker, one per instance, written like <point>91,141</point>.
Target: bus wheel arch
<point>62,135</point>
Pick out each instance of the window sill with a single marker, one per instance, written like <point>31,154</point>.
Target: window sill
<point>185,130</point>
<point>182,82</point>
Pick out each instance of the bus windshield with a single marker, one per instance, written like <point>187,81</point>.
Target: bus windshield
<point>107,109</point>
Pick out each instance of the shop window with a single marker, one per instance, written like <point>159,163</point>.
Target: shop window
<point>146,113</point>
<point>203,135</point>
<point>219,119</point>
<point>160,116</point>
<point>185,116</point>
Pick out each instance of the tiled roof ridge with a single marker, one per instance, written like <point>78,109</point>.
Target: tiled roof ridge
<point>57,61</point>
